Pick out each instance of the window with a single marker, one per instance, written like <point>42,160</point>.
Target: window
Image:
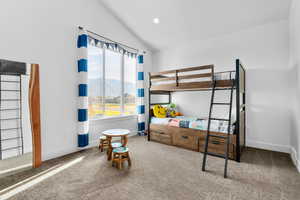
<point>95,81</point>
<point>112,83</point>
<point>129,85</point>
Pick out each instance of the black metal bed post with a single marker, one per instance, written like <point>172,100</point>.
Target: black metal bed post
<point>149,106</point>
<point>0,119</point>
<point>244,107</point>
<point>244,103</point>
<point>237,94</point>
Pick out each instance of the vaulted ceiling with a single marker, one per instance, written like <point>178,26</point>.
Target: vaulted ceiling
<point>183,21</point>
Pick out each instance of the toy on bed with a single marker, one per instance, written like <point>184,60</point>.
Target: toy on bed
<point>159,111</point>
<point>168,111</point>
<point>171,110</point>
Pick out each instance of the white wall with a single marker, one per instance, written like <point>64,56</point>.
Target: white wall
<point>295,65</point>
<point>264,50</point>
<point>45,32</point>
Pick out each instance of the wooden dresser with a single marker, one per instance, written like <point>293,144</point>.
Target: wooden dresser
<point>191,139</point>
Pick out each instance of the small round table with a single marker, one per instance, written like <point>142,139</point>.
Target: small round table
<point>123,133</point>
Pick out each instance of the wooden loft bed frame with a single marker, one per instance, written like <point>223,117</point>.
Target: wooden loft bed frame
<point>186,86</point>
<point>167,82</point>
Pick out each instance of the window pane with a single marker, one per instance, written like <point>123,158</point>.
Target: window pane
<point>112,83</point>
<point>95,82</point>
<point>129,85</point>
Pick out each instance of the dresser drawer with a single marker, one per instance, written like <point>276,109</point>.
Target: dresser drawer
<point>160,136</point>
<point>186,141</point>
<point>218,146</point>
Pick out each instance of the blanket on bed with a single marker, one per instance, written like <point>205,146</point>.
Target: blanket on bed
<point>193,123</point>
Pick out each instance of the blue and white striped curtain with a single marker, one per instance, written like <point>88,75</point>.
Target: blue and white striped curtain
<point>140,95</point>
<point>82,62</point>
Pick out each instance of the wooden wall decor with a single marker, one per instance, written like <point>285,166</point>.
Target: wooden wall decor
<point>34,106</point>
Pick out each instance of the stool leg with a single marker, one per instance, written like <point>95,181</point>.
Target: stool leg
<point>129,160</point>
<point>120,162</point>
<point>109,153</point>
<point>110,149</point>
<point>124,140</point>
<point>101,145</point>
<point>113,160</point>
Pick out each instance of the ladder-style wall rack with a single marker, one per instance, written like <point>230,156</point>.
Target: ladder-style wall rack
<point>18,128</point>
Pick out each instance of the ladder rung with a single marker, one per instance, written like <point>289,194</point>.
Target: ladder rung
<point>222,88</point>
<point>14,138</point>
<point>10,90</point>
<point>216,154</point>
<point>218,136</point>
<point>7,109</point>
<point>10,100</point>
<point>9,81</point>
<point>219,119</point>
<point>221,103</point>
<point>6,129</point>
<point>9,119</point>
<point>17,147</point>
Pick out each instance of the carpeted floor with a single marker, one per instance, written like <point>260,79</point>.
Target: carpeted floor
<point>162,172</point>
<point>10,163</point>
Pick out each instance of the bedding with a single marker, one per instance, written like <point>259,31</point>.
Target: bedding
<point>174,122</point>
<point>193,123</point>
<point>161,121</point>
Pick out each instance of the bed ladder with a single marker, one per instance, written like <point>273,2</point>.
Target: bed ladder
<point>208,135</point>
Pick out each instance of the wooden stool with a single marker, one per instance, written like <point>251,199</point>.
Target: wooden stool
<point>120,155</point>
<point>113,146</point>
<point>103,143</point>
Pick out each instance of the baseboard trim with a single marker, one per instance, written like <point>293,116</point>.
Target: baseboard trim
<point>92,143</point>
<point>295,159</point>
<point>279,148</point>
<point>57,154</point>
<point>269,146</point>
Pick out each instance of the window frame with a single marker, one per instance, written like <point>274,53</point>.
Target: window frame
<point>122,79</point>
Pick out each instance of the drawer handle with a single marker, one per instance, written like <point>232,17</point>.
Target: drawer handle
<point>215,142</point>
<point>159,132</point>
<point>185,137</point>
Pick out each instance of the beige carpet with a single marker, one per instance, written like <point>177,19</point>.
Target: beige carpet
<point>161,172</point>
<point>15,162</point>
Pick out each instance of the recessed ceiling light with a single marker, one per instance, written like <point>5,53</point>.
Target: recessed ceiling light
<point>156,20</point>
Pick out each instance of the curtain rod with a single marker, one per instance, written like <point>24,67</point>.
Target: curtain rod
<point>111,40</point>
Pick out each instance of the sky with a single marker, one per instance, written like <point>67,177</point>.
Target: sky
<point>112,65</point>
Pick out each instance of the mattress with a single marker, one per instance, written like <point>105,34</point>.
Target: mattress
<point>193,123</point>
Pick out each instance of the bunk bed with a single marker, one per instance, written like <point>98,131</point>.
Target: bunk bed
<point>202,78</point>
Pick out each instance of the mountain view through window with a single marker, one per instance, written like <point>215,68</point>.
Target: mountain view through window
<point>112,83</point>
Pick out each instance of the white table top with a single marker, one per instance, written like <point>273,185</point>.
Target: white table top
<point>116,132</point>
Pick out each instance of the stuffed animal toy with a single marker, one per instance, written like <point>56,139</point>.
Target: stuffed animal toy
<point>159,111</point>
<point>171,110</point>
<point>178,114</point>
